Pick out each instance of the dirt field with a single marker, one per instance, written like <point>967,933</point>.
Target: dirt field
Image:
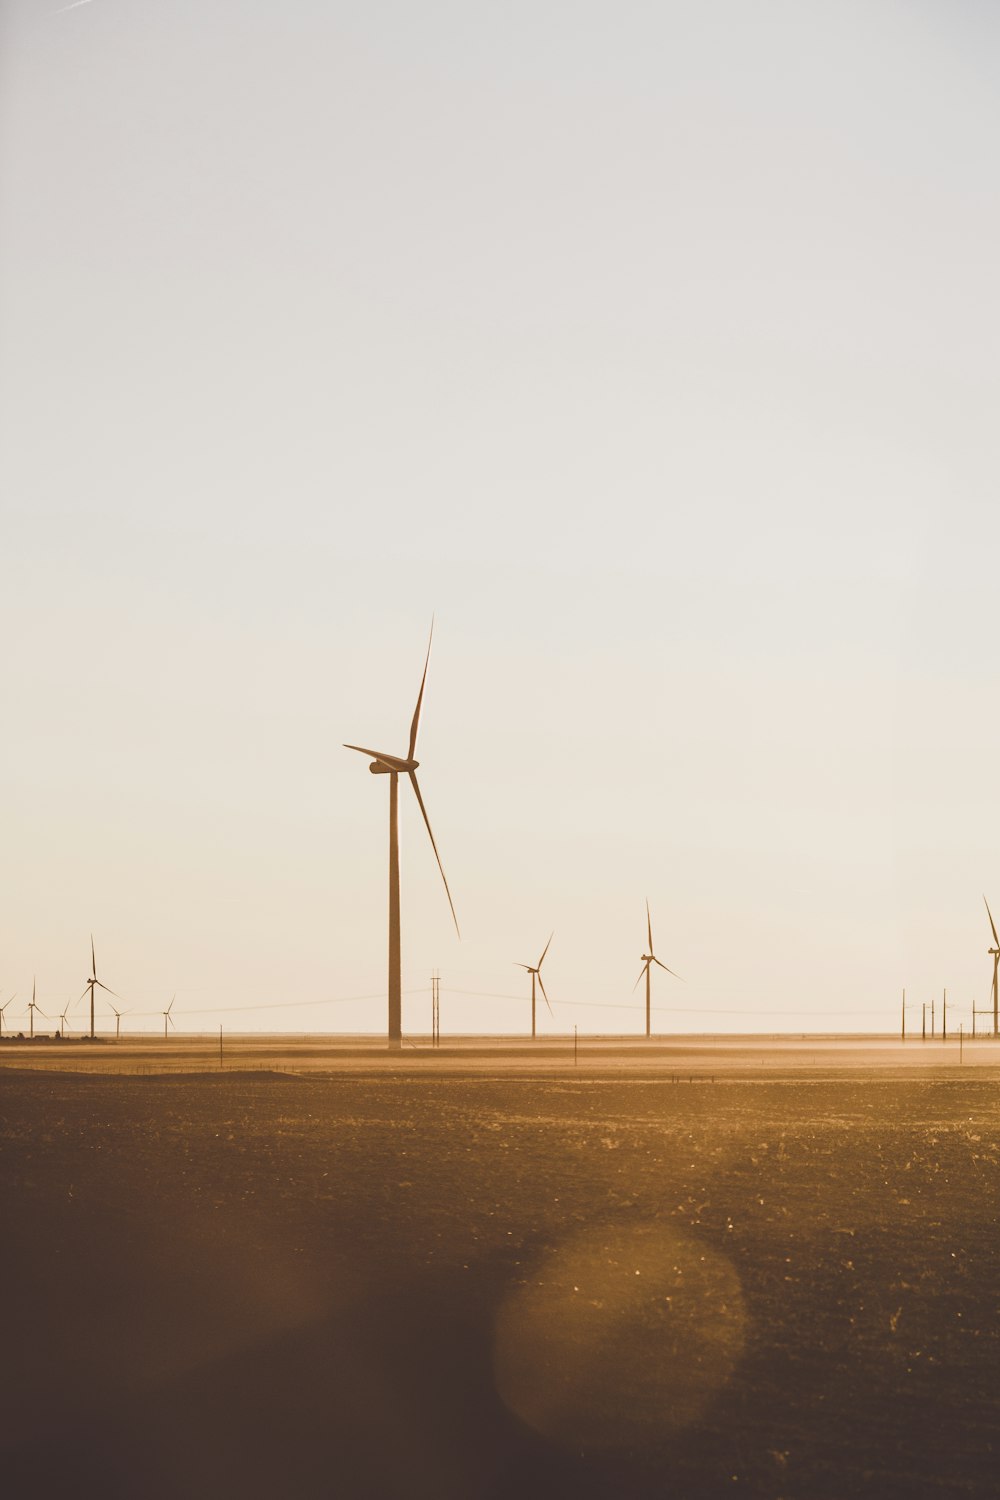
<point>393,1283</point>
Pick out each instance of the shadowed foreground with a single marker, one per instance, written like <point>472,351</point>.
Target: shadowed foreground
<point>452,1286</point>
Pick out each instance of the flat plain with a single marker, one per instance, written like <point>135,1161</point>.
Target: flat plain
<point>689,1271</point>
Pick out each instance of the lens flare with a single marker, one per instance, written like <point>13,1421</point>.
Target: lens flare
<point>620,1337</point>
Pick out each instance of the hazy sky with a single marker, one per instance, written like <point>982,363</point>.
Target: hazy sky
<point>655,348</point>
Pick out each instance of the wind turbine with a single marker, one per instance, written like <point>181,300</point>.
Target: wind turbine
<point>395,766</point>
<point>168,1019</point>
<point>3,1007</point>
<point>995,955</point>
<point>118,1020</point>
<point>648,960</point>
<point>32,1007</point>
<point>64,1022</point>
<point>536,973</point>
<point>94,983</point>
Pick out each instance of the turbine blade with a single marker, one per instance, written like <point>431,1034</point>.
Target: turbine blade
<point>992,923</point>
<point>416,788</point>
<point>546,949</point>
<point>420,696</point>
<point>169,1007</point>
<point>669,971</point>
<point>649,925</point>
<point>642,972</point>
<point>84,995</point>
<point>395,761</point>
<point>93,957</point>
<point>544,996</point>
<point>104,987</point>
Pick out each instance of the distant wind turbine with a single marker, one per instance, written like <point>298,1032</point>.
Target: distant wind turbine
<point>118,1020</point>
<point>536,973</point>
<point>395,766</point>
<point>648,960</point>
<point>995,955</point>
<point>168,1019</point>
<point>32,1007</point>
<point>64,1022</point>
<point>92,983</point>
<point>3,1008</point>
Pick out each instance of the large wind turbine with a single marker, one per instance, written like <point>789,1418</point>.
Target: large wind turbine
<point>536,973</point>
<point>648,960</point>
<point>995,955</point>
<point>395,766</point>
<point>92,983</point>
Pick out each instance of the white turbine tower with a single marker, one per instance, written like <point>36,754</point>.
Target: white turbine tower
<point>94,983</point>
<point>995,955</point>
<point>32,1007</point>
<point>648,960</point>
<point>168,1019</point>
<point>536,973</point>
<point>395,766</point>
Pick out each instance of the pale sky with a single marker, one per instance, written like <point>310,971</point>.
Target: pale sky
<point>654,347</point>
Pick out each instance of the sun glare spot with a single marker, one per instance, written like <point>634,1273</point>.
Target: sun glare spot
<point>621,1337</point>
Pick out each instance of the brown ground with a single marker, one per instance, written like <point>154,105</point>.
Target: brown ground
<point>266,1285</point>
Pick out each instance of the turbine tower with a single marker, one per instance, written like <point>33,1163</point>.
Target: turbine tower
<point>648,960</point>
<point>536,973</point>
<point>168,1019</point>
<point>118,1021</point>
<point>94,983</point>
<point>32,1007</point>
<point>995,955</point>
<point>395,766</point>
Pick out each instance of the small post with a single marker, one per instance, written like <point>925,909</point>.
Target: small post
<point>932,1020</point>
<point>903,1034</point>
<point>944,1016</point>
<point>973,1016</point>
<point>220,1046</point>
<point>923,1022</point>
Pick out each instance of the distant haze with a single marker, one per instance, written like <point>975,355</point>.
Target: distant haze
<point>655,348</point>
